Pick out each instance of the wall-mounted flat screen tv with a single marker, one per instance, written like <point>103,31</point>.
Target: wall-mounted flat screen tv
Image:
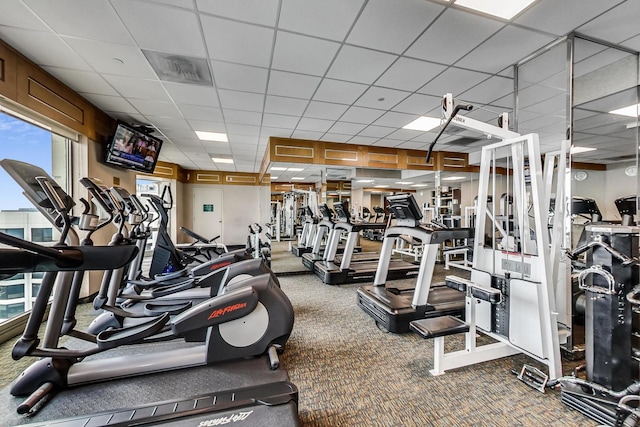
<point>133,149</point>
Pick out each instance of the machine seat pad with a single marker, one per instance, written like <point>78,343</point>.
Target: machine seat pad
<point>439,326</point>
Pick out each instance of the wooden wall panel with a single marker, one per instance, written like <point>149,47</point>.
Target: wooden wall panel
<point>8,72</point>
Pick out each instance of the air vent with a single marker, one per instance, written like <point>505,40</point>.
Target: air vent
<point>179,69</point>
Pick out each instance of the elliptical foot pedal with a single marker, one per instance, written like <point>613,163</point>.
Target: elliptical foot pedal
<point>533,377</point>
<point>157,309</point>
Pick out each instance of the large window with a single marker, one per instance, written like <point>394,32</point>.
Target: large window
<point>21,140</point>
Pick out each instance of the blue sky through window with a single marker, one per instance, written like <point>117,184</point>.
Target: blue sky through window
<point>22,141</point>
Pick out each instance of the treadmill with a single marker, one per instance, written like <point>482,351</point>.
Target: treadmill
<point>309,230</point>
<point>334,271</point>
<point>326,227</point>
<point>393,309</point>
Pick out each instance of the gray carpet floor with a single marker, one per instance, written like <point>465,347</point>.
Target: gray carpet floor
<point>350,373</point>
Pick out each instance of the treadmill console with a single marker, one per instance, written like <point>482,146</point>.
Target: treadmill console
<point>583,206</point>
<point>627,209</point>
<point>342,211</point>
<point>325,212</point>
<point>405,209</point>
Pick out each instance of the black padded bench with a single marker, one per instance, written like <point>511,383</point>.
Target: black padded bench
<point>438,326</point>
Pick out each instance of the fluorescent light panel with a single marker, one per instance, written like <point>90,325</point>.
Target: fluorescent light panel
<point>276,168</point>
<point>297,178</point>
<point>295,169</point>
<point>453,178</point>
<point>576,150</point>
<point>501,9</point>
<point>404,182</point>
<point>424,124</point>
<point>221,160</point>
<point>365,180</point>
<point>381,186</point>
<point>212,136</point>
<point>630,111</point>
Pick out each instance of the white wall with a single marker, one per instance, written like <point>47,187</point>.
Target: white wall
<point>242,205</point>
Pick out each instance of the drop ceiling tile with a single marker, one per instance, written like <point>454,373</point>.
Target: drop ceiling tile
<point>511,42</point>
<point>330,19</point>
<point>335,137</point>
<point>185,4</point>
<point>256,11</point>
<point>82,81</point>
<point>115,104</point>
<point>248,130</point>
<point>338,91</point>
<point>241,100</point>
<point>346,128</point>
<point>632,43</point>
<point>110,58</point>
<point>409,74</point>
<point>283,105</point>
<point>81,23</point>
<point>192,94</point>
<point>404,134</point>
<point>613,26</point>
<point>302,54</point>
<point>376,131</point>
<point>131,87</point>
<point>325,110</point>
<point>162,28</point>
<point>240,117</point>
<point>452,36</point>
<point>394,119</point>
<point>361,115</point>
<point>413,145</point>
<point>16,14</point>
<point>172,124</point>
<point>207,126</point>
<point>392,26</point>
<point>381,98</point>
<point>237,42</point>
<point>243,141</point>
<point>418,104</point>
<point>266,132</point>
<point>387,143</point>
<point>199,112</point>
<point>45,49</point>
<point>239,77</point>
<point>292,84</point>
<point>363,140</point>
<point>454,80</point>
<point>359,65</point>
<point>155,108</point>
<point>307,134</point>
<point>493,88</point>
<point>562,17</point>
<point>280,121</point>
<point>317,125</point>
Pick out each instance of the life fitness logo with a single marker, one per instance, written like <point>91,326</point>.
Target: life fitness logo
<point>225,310</point>
<point>240,416</point>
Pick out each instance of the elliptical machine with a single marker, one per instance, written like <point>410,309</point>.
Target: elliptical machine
<point>251,318</point>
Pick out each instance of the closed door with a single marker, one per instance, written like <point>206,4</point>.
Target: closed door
<point>207,212</point>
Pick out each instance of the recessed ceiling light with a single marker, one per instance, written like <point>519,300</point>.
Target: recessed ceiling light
<point>630,111</point>
<point>404,182</point>
<point>297,178</point>
<point>274,177</point>
<point>420,185</point>
<point>212,136</point>
<point>221,160</point>
<point>365,180</point>
<point>295,169</point>
<point>276,168</point>
<point>381,186</point>
<point>453,178</point>
<point>501,9</point>
<point>576,150</point>
<point>424,124</point>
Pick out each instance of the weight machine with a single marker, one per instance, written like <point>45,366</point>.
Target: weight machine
<point>510,295</point>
